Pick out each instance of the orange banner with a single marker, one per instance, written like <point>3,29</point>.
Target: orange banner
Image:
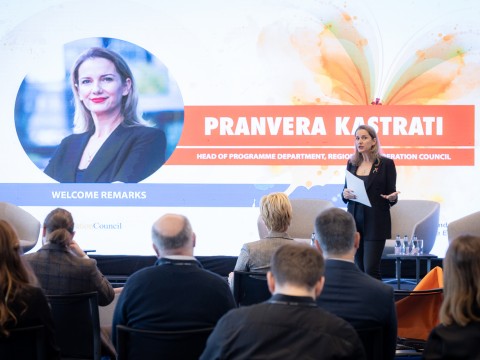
<point>316,135</point>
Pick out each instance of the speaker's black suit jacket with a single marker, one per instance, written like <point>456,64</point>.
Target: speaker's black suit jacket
<point>382,180</point>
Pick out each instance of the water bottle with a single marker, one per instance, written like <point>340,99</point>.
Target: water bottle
<point>398,246</point>
<point>406,245</point>
<point>414,245</point>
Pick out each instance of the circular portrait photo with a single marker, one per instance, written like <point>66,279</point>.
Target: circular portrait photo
<point>106,111</point>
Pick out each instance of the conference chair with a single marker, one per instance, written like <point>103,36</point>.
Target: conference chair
<point>304,213</point>
<point>25,224</point>
<point>414,217</point>
<point>105,313</point>
<point>466,225</point>
<point>372,340</point>
<point>417,312</point>
<point>77,325</point>
<point>134,344</point>
<point>26,343</point>
<point>250,288</point>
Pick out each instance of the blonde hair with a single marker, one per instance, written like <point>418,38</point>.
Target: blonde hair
<point>14,276</point>
<point>461,302</point>
<point>375,152</point>
<point>276,211</point>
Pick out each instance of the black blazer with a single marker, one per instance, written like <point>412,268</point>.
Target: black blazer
<point>37,313</point>
<point>129,155</point>
<point>454,342</point>
<point>381,181</point>
<point>361,300</point>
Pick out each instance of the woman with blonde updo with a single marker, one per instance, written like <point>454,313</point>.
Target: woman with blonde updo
<point>276,213</point>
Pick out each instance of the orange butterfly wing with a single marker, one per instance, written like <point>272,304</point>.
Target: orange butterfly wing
<point>438,72</point>
<point>342,54</point>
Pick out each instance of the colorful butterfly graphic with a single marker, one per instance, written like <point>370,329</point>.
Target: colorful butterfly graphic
<point>343,53</point>
<point>337,53</point>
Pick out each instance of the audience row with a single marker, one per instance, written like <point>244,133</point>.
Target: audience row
<point>319,296</point>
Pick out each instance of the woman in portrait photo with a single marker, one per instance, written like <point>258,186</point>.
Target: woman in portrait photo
<point>110,142</point>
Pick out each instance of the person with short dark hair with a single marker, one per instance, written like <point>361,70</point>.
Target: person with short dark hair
<point>458,335</point>
<point>349,293</point>
<point>176,293</point>
<point>289,325</point>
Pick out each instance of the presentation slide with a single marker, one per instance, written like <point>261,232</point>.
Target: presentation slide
<point>203,107</point>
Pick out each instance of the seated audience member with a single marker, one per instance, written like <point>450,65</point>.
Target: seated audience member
<point>276,212</point>
<point>176,293</point>
<point>290,325</point>
<point>458,335</point>
<point>63,268</point>
<point>60,264</point>
<point>22,303</point>
<point>349,293</point>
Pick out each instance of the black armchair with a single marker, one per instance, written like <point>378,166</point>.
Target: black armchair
<point>142,344</point>
<point>250,287</point>
<point>26,343</point>
<point>77,325</point>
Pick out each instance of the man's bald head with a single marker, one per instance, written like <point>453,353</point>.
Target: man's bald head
<point>172,235</point>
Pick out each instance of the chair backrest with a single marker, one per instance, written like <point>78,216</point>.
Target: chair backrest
<point>250,288</point>
<point>417,312</point>
<point>372,340</point>
<point>26,343</point>
<point>133,344</point>
<point>469,224</point>
<point>414,217</point>
<point>24,223</point>
<point>77,325</point>
<point>304,213</point>
<point>105,313</point>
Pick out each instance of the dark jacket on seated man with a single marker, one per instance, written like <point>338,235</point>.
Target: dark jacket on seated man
<point>290,325</point>
<point>173,294</point>
<point>176,293</point>
<point>349,293</point>
<point>285,327</point>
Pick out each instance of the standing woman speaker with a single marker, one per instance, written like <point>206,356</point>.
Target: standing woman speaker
<point>379,175</point>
